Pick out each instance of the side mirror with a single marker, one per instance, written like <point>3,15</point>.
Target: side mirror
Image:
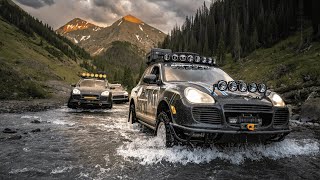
<point>150,79</point>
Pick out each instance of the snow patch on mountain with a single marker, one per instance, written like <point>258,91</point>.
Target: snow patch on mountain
<point>96,29</point>
<point>98,51</point>
<point>119,23</point>
<point>75,40</point>
<point>84,38</point>
<point>137,36</point>
<point>140,28</point>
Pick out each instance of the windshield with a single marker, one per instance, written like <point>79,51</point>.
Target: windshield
<point>195,73</point>
<point>92,83</point>
<point>116,87</point>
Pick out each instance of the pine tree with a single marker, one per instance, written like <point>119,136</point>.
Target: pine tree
<point>221,50</point>
<point>237,45</point>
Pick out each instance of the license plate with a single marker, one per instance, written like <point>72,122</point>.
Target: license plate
<point>90,97</point>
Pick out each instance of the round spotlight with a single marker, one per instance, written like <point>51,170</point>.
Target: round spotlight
<point>175,57</point>
<point>232,86</point>
<point>183,58</point>
<point>198,59</point>
<point>262,88</point>
<point>167,57</point>
<point>252,87</point>
<point>209,60</point>
<point>222,85</point>
<point>190,58</point>
<point>242,86</point>
<point>204,60</point>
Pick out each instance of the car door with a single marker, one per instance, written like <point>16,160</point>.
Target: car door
<point>142,98</point>
<point>152,91</point>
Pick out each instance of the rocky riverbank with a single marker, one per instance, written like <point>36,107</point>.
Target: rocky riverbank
<point>59,96</point>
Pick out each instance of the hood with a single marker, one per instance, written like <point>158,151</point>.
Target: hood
<point>118,92</point>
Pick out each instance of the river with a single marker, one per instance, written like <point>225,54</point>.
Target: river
<point>69,144</point>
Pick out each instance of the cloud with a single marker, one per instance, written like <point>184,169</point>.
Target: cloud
<point>162,14</point>
<point>36,3</point>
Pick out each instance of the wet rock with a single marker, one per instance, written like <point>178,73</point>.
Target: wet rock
<point>295,117</point>
<point>36,130</point>
<point>35,121</point>
<point>310,110</point>
<point>15,137</point>
<point>9,131</point>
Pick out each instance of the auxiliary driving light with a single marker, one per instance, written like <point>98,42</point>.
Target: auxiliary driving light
<point>183,58</point>
<point>222,85</point>
<point>167,57</point>
<point>175,57</point>
<point>252,87</point>
<point>204,60</point>
<point>190,58</point>
<point>232,86</point>
<point>209,60</point>
<point>242,86</point>
<point>198,59</point>
<point>262,88</point>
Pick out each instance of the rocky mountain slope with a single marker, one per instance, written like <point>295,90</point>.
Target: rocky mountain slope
<point>32,61</point>
<point>97,40</point>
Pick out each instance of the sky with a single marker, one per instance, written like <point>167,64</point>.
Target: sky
<point>161,14</point>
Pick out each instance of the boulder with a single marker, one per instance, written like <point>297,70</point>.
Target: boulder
<point>310,110</point>
<point>36,130</point>
<point>35,121</point>
<point>9,131</point>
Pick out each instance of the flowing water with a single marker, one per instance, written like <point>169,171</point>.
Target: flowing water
<point>102,145</point>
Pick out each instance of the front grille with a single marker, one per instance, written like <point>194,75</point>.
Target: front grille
<point>118,97</point>
<point>247,108</point>
<point>207,115</point>
<point>281,117</point>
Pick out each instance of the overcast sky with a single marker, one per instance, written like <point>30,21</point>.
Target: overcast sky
<point>162,14</point>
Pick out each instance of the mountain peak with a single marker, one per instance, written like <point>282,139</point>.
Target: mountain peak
<point>74,25</point>
<point>132,19</point>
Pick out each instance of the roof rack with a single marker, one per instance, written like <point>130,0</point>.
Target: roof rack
<point>88,75</point>
<point>166,55</point>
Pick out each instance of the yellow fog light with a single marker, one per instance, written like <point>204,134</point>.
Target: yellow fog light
<point>250,127</point>
<point>173,110</point>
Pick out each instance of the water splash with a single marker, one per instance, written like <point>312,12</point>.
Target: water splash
<point>151,151</point>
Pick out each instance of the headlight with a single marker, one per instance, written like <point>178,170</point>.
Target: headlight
<point>105,93</point>
<point>195,96</point>
<point>126,93</point>
<point>276,100</point>
<point>76,91</point>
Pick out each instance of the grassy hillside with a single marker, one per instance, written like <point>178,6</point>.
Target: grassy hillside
<point>120,56</point>
<point>286,66</point>
<point>28,63</point>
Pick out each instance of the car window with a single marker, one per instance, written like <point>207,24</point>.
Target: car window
<point>195,73</point>
<point>147,71</point>
<point>156,71</point>
<point>92,83</point>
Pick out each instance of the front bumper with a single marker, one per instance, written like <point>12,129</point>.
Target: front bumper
<point>210,123</point>
<point>216,136</point>
<point>90,104</point>
<point>120,98</point>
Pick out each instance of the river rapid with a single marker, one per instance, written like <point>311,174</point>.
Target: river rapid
<point>69,144</point>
